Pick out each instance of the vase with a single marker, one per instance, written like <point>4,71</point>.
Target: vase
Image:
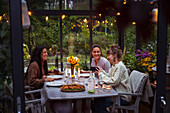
<point>72,71</point>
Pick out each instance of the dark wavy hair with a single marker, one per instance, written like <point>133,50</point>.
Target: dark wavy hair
<point>36,56</point>
<point>95,45</point>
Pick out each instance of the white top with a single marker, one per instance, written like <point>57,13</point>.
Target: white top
<point>103,63</point>
<point>118,77</point>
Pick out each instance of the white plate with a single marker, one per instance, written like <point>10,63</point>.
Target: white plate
<point>54,84</point>
<point>55,76</point>
<point>84,75</point>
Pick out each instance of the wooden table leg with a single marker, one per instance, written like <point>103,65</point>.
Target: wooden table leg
<point>79,105</point>
<point>88,105</point>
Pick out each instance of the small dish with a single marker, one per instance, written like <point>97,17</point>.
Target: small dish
<point>54,84</point>
<point>84,75</point>
<point>55,76</point>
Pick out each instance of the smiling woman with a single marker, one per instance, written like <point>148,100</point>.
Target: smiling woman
<point>97,59</point>
<point>37,69</point>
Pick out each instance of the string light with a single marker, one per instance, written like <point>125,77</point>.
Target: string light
<point>4,15</point>
<point>85,20</point>
<point>46,18</point>
<point>63,16</point>
<point>151,2</point>
<point>103,22</point>
<point>133,23</point>
<point>115,21</point>
<point>124,2</point>
<point>100,15</point>
<point>87,26</point>
<point>111,24</point>
<point>0,18</point>
<point>98,22</point>
<point>118,13</point>
<point>29,13</point>
<point>106,21</point>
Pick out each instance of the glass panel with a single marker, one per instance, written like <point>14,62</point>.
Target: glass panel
<point>44,4</point>
<point>6,91</point>
<point>106,31</point>
<point>55,4</point>
<point>45,31</point>
<point>76,39</point>
<point>75,5</point>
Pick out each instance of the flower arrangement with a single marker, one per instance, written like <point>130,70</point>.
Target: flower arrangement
<point>73,60</point>
<point>145,62</point>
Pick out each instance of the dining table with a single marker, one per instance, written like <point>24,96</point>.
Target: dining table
<point>52,93</point>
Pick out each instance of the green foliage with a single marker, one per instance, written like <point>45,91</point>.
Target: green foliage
<point>130,60</point>
<point>5,60</point>
<point>26,52</point>
<point>5,51</point>
<point>52,68</point>
<point>130,39</point>
<point>84,65</point>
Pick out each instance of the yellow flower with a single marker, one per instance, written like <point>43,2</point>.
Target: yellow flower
<point>72,60</point>
<point>152,54</point>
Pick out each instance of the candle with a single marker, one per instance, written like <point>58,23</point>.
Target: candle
<point>66,72</point>
<point>78,72</point>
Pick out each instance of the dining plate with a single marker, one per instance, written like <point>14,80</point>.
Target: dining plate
<point>54,84</point>
<point>55,76</point>
<point>84,75</point>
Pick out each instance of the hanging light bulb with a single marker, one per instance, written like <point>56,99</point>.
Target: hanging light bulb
<point>124,2</point>
<point>0,18</point>
<point>46,18</point>
<point>29,13</point>
<point>63,16</point>
<point>133,23</point>
<point>118,13</point>
<point>85,20</point>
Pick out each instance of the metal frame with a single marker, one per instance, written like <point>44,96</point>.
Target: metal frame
<point>17,56</point>
<point>161,55</point>
<point>17,48</point>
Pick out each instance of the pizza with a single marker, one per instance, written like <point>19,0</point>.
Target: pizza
<point>73,88</point>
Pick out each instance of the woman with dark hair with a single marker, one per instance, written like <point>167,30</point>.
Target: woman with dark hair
<point>37,69</point>
<point>97,59</point>
<point>117,77</point>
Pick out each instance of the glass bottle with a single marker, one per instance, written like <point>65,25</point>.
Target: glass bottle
<point>91,83</point>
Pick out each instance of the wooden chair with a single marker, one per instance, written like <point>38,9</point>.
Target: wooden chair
<point>138,94</point>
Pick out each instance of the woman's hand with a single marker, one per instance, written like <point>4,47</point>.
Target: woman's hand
<point>44,76</point>
<point>99,69</point>
<point>49,79</point>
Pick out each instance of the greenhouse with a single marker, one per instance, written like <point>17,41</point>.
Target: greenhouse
<point>68,56</point>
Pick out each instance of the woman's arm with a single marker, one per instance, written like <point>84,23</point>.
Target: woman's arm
<point>34,76</point>
<point>113,77</point>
